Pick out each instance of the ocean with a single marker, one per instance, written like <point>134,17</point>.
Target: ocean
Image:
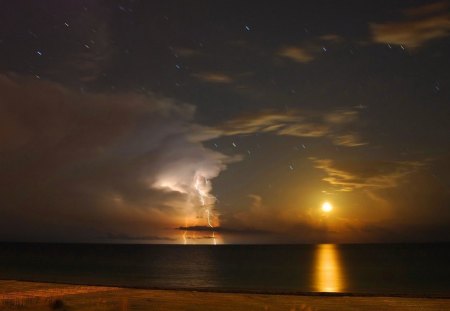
<point>378,269</point>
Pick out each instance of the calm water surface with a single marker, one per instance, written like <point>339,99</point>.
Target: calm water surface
<point>411,269</point>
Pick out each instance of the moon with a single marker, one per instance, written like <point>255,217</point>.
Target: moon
<point>327,207</point>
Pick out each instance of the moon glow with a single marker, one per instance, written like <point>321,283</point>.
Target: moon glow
<point>327,207</point>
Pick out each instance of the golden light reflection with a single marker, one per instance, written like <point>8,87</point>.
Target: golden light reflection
<point>328,276</point>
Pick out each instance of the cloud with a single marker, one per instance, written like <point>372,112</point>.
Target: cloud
<point>306,52</point>
<point>278,223</point>
<point>397,202</point>
<point>333,125</point>
<point>347,140</point>
<point>127,237</point>
<point>85,166</point>
<point>353,175</point>
<point>213,77</point>
<point>332,38</point>
<point>296,54</point>
<point>222,230</point>
<point>79,165</point>
<point>419,26</point>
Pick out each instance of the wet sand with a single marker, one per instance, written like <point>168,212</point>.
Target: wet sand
<point>17,295</point>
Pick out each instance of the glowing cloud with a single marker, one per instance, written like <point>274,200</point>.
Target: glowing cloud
<point>422,24</point>
<point>125,164</point>
<point>296,54</point>
<point>213,77</point>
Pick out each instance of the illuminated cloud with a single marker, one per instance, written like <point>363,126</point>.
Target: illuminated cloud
<point>347,140</point>
<point>420,25</point>
<point>92,166</point>
<point>296,54</point>
<point>97,166</point>
<point>278,223</point>
<point>341,117</point>
<point>387,200</point>
<point>308,51</point>
<point>331,125</point>
<point>353,175</point>
<point>222,230</point>
<point>213,77</point>
<point>332,38</point>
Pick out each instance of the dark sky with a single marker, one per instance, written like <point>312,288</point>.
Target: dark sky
<point>224,121</point>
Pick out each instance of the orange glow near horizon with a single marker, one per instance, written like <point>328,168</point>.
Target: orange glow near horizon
<point>328,275</point>
<point>201,238</point>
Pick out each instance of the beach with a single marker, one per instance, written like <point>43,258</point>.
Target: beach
<point>18,295</point>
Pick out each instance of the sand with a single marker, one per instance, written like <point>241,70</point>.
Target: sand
<point>15,295</point>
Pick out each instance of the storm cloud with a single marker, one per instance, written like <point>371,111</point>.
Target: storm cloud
<point>87,166</point>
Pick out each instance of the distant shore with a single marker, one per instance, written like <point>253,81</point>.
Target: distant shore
<point>22,295</point>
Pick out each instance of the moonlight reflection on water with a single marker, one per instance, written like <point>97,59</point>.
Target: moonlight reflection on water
<point>328,275</point>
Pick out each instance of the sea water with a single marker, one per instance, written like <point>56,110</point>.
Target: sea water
<point>382,269</point>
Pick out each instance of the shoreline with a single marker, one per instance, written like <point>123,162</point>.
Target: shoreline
<point>238,291</point>
<point>19,295</point>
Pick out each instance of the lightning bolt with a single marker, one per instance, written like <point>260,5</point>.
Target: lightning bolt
<point>203,195</point>
<point>208,217</point>
<point>184,237</point>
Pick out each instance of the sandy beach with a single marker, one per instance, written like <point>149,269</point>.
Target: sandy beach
<point>17,295</point>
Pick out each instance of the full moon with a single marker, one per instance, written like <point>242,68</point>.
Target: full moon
<point>327,207</point>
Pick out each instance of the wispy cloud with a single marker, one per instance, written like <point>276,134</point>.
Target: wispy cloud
<point>332,125</point>
<point>214,77</point>
<point>296,54</point>
<point>332,38</point>
<point>419,25</point>
<point>347,140</point>
<point>353,175</point>
<point>307,51</point>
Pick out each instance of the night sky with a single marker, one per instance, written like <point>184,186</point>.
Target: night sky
<point>224,121</point>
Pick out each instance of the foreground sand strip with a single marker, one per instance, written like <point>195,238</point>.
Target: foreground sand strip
<point>54,292</point>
